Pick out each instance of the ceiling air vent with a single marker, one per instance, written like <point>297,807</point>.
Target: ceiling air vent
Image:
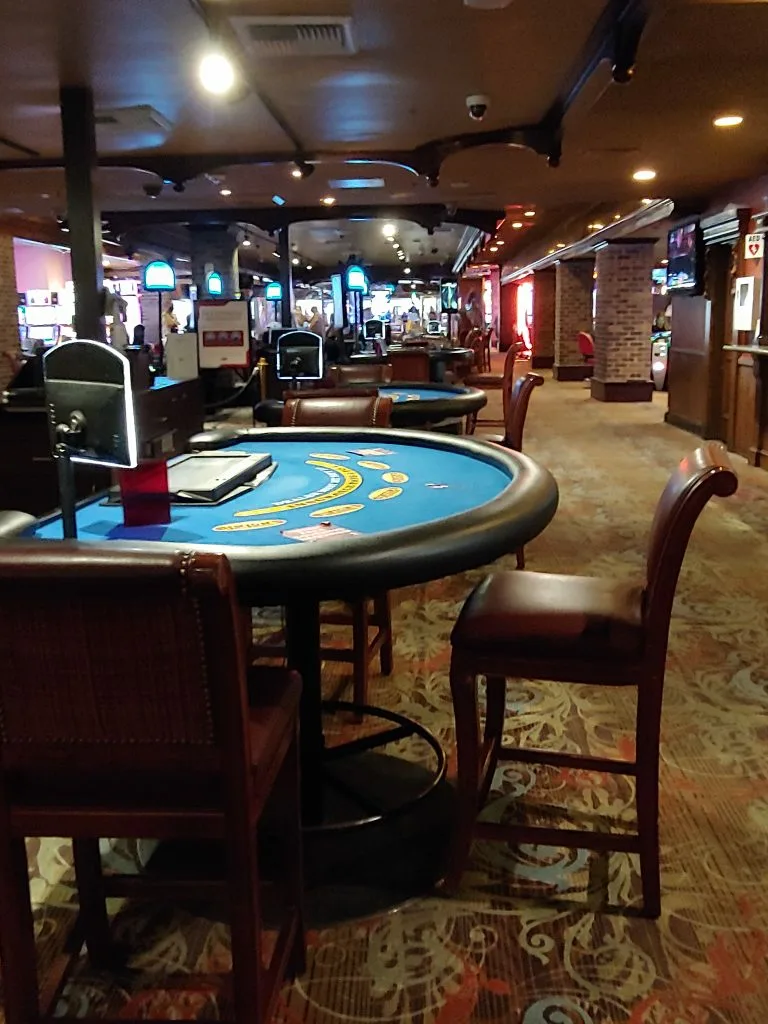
<point>294,36</point>
<point>142,118</point>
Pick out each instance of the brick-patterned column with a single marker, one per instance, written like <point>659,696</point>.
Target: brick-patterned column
<point>543,353</point>
<point>573,313</point>
<point>624,312</point>
<point>214,248</point>
<point>9,322</point>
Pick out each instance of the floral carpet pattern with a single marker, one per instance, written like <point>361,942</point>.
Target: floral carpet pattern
<point>540,935</point>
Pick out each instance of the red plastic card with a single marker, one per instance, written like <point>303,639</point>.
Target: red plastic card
<point>144,493</point>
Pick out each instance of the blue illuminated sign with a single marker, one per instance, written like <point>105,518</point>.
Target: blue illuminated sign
<point>214,283</point>
<point>274,292</point>
<point>159,276</point>
<point>356,279</point>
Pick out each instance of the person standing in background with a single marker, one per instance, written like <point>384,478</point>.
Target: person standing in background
<point>317,322</point>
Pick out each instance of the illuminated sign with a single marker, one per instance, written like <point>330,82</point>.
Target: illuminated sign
<point>159,276</point>
<point>274,292</point>
<point>449,296</point>
<point>214,284</point>
<point>356,280</point>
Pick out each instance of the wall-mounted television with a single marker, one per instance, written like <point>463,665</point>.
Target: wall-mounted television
<point>685,252</point>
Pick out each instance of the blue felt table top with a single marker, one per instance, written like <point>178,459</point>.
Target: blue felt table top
<point>327,477</point>
<point>417,394</point>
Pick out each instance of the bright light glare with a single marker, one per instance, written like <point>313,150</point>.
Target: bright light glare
<point>389,229</point>
<point>728,121</point>
<point>644,174</point>
<point>217,73</point>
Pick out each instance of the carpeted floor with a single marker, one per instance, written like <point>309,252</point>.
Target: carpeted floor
<point>526,941</point>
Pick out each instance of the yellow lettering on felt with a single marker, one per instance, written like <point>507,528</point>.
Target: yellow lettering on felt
<point>335,510</point>
<point>351,480</point>
<point>252,524</point>
<point>385,493</point>
<point>395,478</point>
<point>373,465</point>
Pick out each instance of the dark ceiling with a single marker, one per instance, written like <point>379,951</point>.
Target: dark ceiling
<point>403,87</point>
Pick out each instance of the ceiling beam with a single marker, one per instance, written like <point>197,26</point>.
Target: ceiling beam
<point>271,219</point>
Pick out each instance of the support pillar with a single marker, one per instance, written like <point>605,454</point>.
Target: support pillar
<point>214,247</point>
<point>507,316</point>
<point>543,351</point>
<point>624,313</point>
<point>10,348</point>
<point>285,269</point>
<point>78,130</point>
<point>574,283</point>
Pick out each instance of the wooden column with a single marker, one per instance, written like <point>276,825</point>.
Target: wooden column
<point>78,130</point>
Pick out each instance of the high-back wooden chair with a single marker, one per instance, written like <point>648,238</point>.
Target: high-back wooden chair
<point>577,629</point>
<point>516,410</point>
<point>490,382</point>
<point>114,724</point>
<point>410,365</point>
<point>331,410</point>
<point>367,614</point>
<point>363,373</point>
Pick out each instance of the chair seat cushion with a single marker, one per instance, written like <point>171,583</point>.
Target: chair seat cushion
<point>541,615</point>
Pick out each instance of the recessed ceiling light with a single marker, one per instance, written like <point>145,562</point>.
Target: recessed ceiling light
<point>246,241</point>
<point>644,174</point>
<point>494,248</point>
<point>407,270</point>
<point>550,251</point>
<point>295,261</point>
<point>517,225</point>
<point>530,213</point>
<point>664,263</point>
<point>728,121</point>
<point>597,226</point>
<point>225,191</point>
<point>500,242</point>
<point>309,266</point>
<point>617,216</point>
<point>647,202</point>
<point>328,200</point>
<point>216,73</point>
<point>296,173</point>
<point>560,245</point>
<point>389,229</point>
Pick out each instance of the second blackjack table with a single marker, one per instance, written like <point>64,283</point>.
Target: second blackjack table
<point>414,405</point>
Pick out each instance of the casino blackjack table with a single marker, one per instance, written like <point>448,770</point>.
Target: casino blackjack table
<point>343,515</point>
<point>414,405</point>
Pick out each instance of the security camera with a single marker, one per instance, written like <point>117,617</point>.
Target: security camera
<point>154,190</point>
<point>478,107</point>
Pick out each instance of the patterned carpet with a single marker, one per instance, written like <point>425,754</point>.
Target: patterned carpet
<point>528,940</point>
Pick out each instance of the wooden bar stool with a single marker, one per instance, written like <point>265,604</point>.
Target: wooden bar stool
<point>118,725</point>
<point>577,629</point>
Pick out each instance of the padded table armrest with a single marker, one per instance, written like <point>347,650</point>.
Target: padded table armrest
<point>14,523</point>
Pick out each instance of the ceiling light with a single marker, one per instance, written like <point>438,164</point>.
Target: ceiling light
<point>617,216</point>
<point>494,248</point>
<point>728,121</point>
<point>664,263</point>
<point>309,266</point>
<point>225,191</point>
<point>276,255</point>
<point>646,202</point>
<point>644,174</point>
<point>301,169</point>
<point>216,73</point>
<point>328,200</point>
<point>246,241</point>
<point>389,229</point>
<point>500,242</point>
<point>296,173</point>
<point>407,270</point>
<point>550,251</point>
<point>295,261</point>
<point>530,213</point>
<point>597,226</point>
<point>517,225</point>
<point>560,245</point>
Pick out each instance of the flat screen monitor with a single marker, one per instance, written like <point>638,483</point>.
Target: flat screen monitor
<point>659,276</point>
<point>373,330</point>
<point>300,356</point>
<point>449,296</point>
<point>90,405</point>
<point>685,266</point>
<point>434,327</point>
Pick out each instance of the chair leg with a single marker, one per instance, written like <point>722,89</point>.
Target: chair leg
<point>17,936</point>
<point>93,904</point>
<point>471,423</point>
<point>297,961</point>
<point>647,796</point>
<point>360,622</point>
<point>245,928</point>
<point>382,609</point>
<point>465,709</point>
<point>520,558</point>
<point>495,706</point>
